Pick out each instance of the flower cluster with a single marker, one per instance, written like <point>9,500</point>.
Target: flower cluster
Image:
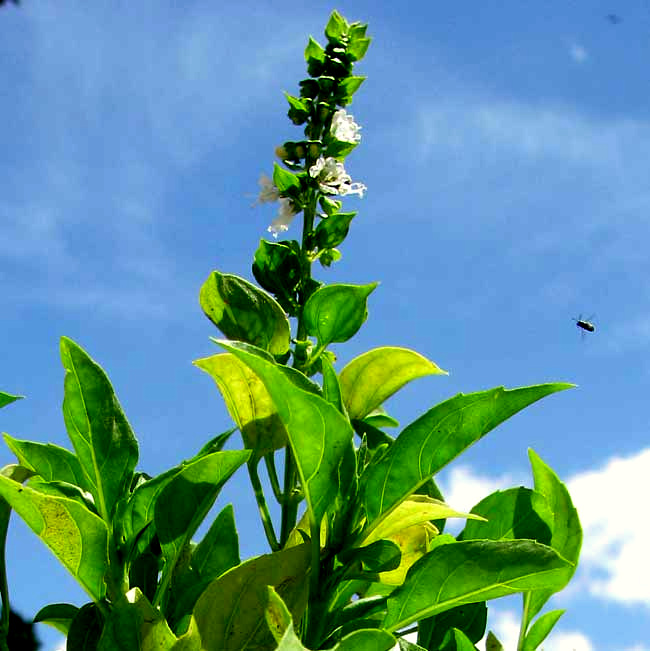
<point>333,179</point>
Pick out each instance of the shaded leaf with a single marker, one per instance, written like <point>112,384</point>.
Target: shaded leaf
<point>373,377</point>
<point>456,640</point>
<point>77,537</point>
<point>85,629</point>
<point>469,618</point>
<point>245,313</point>
<point>230,614</point>
<point>249,403</point>
<point>184,502</point>
<point>465,572</point>
<point>437,437</point>
<point>59,616</point>
<point>334,313</point>
<point>97,427</point>
<point>510,514</point>
<point>318,433</point>
<point>492,643</point>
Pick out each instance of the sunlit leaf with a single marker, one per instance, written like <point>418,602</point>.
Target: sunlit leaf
<point>540,629</point>
<point>97,427</point>
<point>335,313</point>
<point>77,537</point>
<point>318,433</point>
<point>230,614</point>
<point>465,572</point>
<point>51,462</point>
<point>437,437</point>
<point>371,378</point>
<point>248,403</point>
<point>7,398</point>
<point>564,523</point>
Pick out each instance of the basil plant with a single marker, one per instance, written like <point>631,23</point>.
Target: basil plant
<point>357,556</point>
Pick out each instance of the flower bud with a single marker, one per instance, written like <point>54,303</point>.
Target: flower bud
<point>281,152</point>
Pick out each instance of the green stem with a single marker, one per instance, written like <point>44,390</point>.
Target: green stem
<point>524,621</point>
<point>265,516</point>
<point>269,460</point>
<point>289,503</point>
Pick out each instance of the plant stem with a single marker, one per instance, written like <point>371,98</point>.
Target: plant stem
<point>269,460</point>
<point>524,621</point>
<point>289,503</point>
<point>265,516</point>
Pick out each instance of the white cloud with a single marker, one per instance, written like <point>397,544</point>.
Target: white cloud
<point>505,625</point>
<point>610,502</point>
<point>578,53</point>
<point>613,562</point>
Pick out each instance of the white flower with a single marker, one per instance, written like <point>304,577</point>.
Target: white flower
<point>344,128</point>
<point>285,216</point>
<point>268,191</point>
<point>333,179</point>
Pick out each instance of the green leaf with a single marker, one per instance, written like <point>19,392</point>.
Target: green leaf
<point>76,536</point>
<point>219,549</point>
<point>333,230</point>
<point>564,523</point>
<point>134,625</point>
<point>248,403</point>
<point>85,629</point>
<point>379,418</point>
<point>286,182</point>
<point>245,313</point>
<point>230,614</point>
<point>314,50</point>
<point>466,572</point>
<point>471,619</point>
<point>540,629</point>
<point>7,398</point>
<point>97,427</point>
<point>368,639</point>
<point>51,462</point>
<point>373,377</point>
<point>336,312</point>
<point>336,26</point>
<point>349,86</point>
<point>276,268</point>
<point>184,502</point>
<point>378,556</point>
<point>492,643</point>
<point>318,433</point>
<point>331,387</point>
<point>59,616</point>
<point>510,514</point>
<point>437,437</point>
<point>456,640</point>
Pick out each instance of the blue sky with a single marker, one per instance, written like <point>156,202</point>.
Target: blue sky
<point>505,149</point>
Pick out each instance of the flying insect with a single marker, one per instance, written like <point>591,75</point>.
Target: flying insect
<point>585,324</point>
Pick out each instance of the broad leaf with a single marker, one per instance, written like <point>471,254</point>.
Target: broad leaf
<point>285,181</point>
<point>7,398</point>
<point>540,629</point>
<point>437,437</point>
<point>230,612</point>
<point>370,379</point>
<point>510,514</point>
<point>77,537</point>
<point>184,502</point>
<point>332,231</point>
<point>248,403</point>
<point>51,462</point>
<point>565,525</point>
<point>335,313</point>
<point>318,433</point>
<point>466,572</point>
<point>492,643</point>
<point>97,427</point>
<point>85,629</point>
<point>59,616</point>
<point>134,625</point>
<point>245,313</point>
<point>456,640</point>
<point>469,618</point>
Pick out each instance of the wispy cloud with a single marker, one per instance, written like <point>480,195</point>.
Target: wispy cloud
<point>578,53</point>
